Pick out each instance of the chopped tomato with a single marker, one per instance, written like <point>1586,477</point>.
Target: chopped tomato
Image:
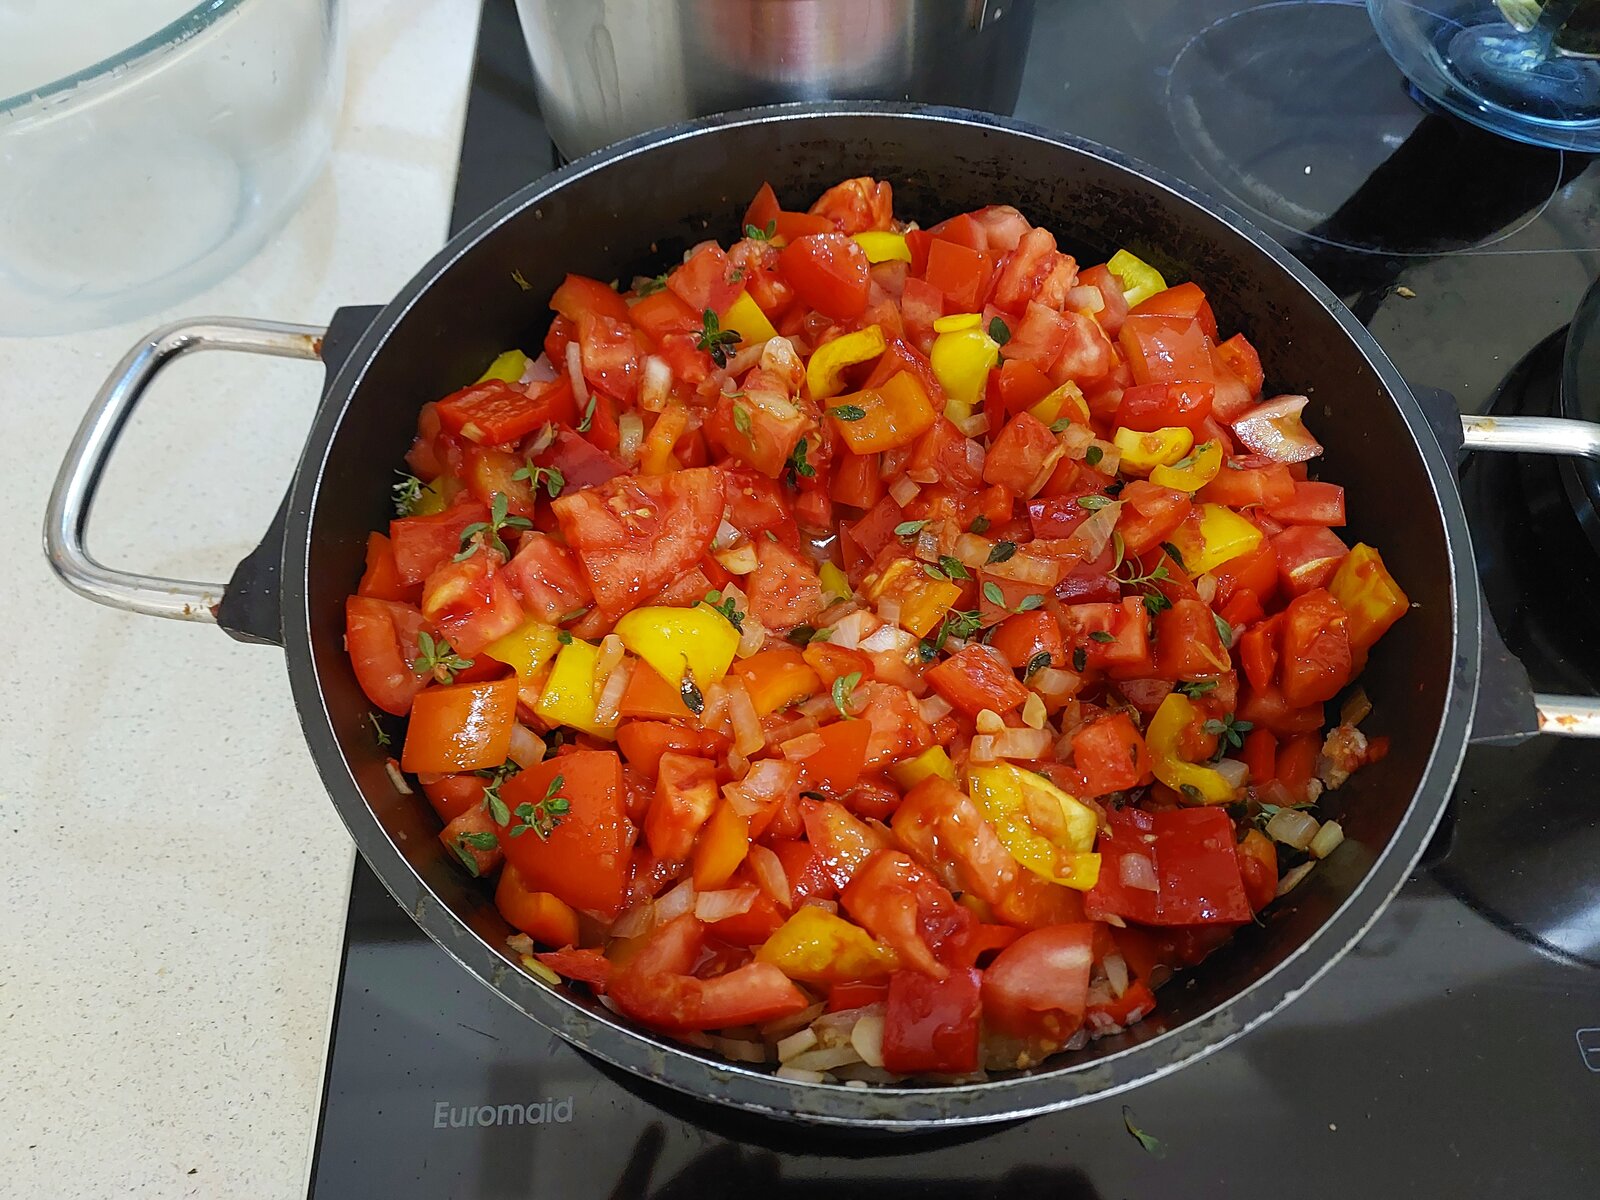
<point>974,680</point>
<point>1186,853</point>
<point>1110,755</point>
<point>381,638</point>
<point>381,580</point>
<point>1164,405</point>
<point>579,850</point>
<point>686,794</point>
<point>829,272</point>
<point>1038,986</point>
<point>1316,649</point>
<point>460,727</point>
<point>960,273</point>
<point>931,1025</point>
<point>703,284</point>
<point>421,544</point>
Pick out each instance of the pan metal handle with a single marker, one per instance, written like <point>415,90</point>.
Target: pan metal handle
<point>1565,716</point>
<point>72,498</point>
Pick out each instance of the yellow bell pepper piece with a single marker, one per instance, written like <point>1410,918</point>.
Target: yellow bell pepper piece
<point>570,693</point>
<point>882,246</point>
<point>433,499</point>
<point>1139,279</point>
<point>1199,785</point>
<point>956,321</point>
<point>825,370</point>
<point>895,413</point>
<point>1143,452</point>
<point>815,946</point>
<point>720,848</point>
<point>745,316</point>
<point>932,761</point>
<point>528,648</point>
<point>507,368</point>
<point>1045,830</point>
<point>962,360</point>
<point>1220,535</point>
<point>673,640</point>
<point>1369,594</point>
<point>927,604</point>
<point>1066,401</point>
<point>1193,471</point>
<point>834,582</point>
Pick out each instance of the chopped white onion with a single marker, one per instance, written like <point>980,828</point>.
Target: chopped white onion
<point>1090,538</point>
<point>804,746</point>
<point>867,1038</point>
<point>1033,711</point>
<point>989,721</point>
<point>824,1058</point>
<point>779,356</point>
<point>397,778</point>
<point>889,609</point>
<point>712,907</point>
<point>1023,567</point>
<point>904,490</point>
<point>831,906</point>
<point>1110,457</point>
<point>630,437</point>
<point>1234,771</point>
<point>796,1043</point>
<point>849,630</point>
<point>798,1076</point>
<point>1292,878</point>
<point>738,1049</point>
<point>611,653</point>
<point>747,735</point>
<point>727,534</point>
<point>888,639</point>
<point>740,560</point>
<point>1076,440</point>
<point>539,370</point>
<point>1021,743</point>
<point>1292,827</point>
<point>1116,973</point>
<point>656,385</point>
<point>527,747</point>
<point>974,426</point>
<point>676,902</point>
<point>928,544</point>
<point>975,457</point>
<point>1055,684</point>
<point>1057,453</point>
<point>543,439</point>
<point>1086,298</point>
<point>972,550</point>
<point>749,354</point>
<point>769,873</point>
<point>1137,871</point>
<point>1327,840</point>
<point>580,386</point>
<point>934,707</point>
<point>752,637</point>
<point>638,920</point>
<point>608,707</point>
<point>923,474</point>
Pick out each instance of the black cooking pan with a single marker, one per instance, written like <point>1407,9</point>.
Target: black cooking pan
<point>636,208</point>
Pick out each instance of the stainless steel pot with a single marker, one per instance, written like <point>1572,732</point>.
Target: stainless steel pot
<point>1439,680</point>
<point>608,69</point>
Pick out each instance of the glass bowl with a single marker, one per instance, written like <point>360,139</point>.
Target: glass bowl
<point>140,179</point>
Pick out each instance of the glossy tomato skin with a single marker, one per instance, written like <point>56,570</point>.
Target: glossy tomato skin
<point>829,273</point>
<point>931,1025</point>
<point>1038,986</point>
<point>1317,660</point>
<point>585,858</point>
<point>1110,755</point>
<point>1193,862</point>
<point>381,639</point>
<point>460,727</point>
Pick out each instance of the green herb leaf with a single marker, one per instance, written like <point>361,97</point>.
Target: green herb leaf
<point>564,637</point>
<point>714,340</point>
<point>651,286</point>
<point>1101,636</point>
<point>383,738</point>
<point>1002,552</point>
<point>993,594</point>
<point>842,687</point>
<point>407,494</point>
<point>802,635</point>
<point>798,466</point>
<point>692,699</point>
<point>588,413</point>
<point>437,658</point>
<point>1155,603</point>
<point>1229,731</point>
<point>980,524</point>
<point>1151,1144</point>
<point>1224,630</point>
<point>1080,659</point>
<point>479,841</point>
<point>818,796</point>
<point>487,533</point>
<point>741,419</point>
<point>551,477</point>
<point>999,331</point>
<point>1094,503</point>
<point>1036,664</point>
<point>762,235</point>
<point>1197,688</point>
<point>1061,425</point>
<point>1030,602</point>
<point>953,568</point>
<point>1175,555</point>
<point>847,412</point>
<point>1093,455</point>
<point>909,528</point>
<point>467,860</point>
<point>499,811</point>
<point>724,606</point>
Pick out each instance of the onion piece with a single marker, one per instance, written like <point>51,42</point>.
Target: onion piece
<point>1205,587</point>
<point>727,534</point>
<point>752,637</point>
<point>1356,708</point>
<point>975,457</point>
<point>798,1076</point>
<point>934,708</point>
<point>888,639</point>
<point>738,1049</point>
<point>1292,878</point>
<point>543,439</point>
<point>1033,711</point>
<point>1292,827</point>
<point>904,490</point>
<point>1086,298</point>
<point>1327,840</point>
<point>796,1043</point>
<point>712,907</point>
<point>1023,567</point>
<point>527,747</point>
<point>747,734</point>
<point>539,370</point>
<point>1022,743</point>
<point>1234,771</point>
<point>981,751</point>
<point>1275,429</point>
<point>630,437</point>
<point>609,705</point>
<point>1116,973</point>
<point>636,921</point>
<point>973,426</point>
<point>748,355</point>
<point>768,870</point>
<point>740,560</point>
<point>804,746</point>
<point>1055,684</point>
<point>824,1058</point>
<point>1090,538</point>
<point>580,386</point>
<point>972,550</point>
<point>676,902</point>
<point>850,629</point>
<point>1076,440</point>
<point>655,387</point>
<point>1137,871</point>
<point>928,544</point>
<point>397,777</point>
<point>866,1036</point>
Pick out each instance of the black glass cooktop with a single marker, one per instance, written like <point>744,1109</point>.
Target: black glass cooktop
<point>1456,1050</point>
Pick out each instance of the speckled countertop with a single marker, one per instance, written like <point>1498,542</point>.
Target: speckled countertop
<point>174,881</point>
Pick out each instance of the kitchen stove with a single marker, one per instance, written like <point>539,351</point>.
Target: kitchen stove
<point>1456,1050</point>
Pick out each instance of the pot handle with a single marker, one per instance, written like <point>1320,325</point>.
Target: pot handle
<point>1567,716</point>
<point>72,498</point>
